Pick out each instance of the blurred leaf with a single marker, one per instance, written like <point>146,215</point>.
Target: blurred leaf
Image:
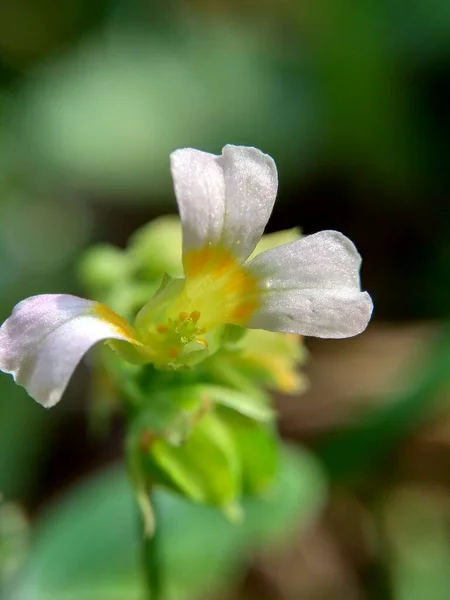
<point>366,109</point>
<point>39,233</point>
<point>87,547</point>
<point>252,406</point>
<point>369,439</point>
<point>13,540</point>
<point>32,29</point>
<point>416,522</point>
<point>108,114</point>
<point>425,33</point>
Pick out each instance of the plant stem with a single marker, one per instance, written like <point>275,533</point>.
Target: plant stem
<point>153,564</point>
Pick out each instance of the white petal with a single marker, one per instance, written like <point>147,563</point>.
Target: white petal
<point>43,340</point>
<point>224,199</point>
<point>312,287</point>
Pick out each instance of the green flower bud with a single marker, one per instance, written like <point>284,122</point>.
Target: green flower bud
<point>155,248</point>
<point>206,467</point>
<point>264,358</point>
<point>101,267</point>
<point>197,440</point>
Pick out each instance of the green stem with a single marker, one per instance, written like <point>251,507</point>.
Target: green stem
<point>153,564</point>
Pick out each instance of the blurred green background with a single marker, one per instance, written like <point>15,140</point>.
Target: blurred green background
<point>352,101</point>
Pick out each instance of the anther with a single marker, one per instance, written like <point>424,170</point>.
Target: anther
<point>162,328</point>
<point>174,352</point>
<point>195,316</point>
<point>183,316</point>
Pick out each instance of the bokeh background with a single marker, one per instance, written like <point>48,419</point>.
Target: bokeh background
<point>352,100</point>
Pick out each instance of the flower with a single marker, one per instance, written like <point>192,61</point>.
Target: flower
<point>310,286</point>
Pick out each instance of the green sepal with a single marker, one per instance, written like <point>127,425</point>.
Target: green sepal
<point>258,448</point>
<point>252,406</point>
<point>169,413</point>
<point>224,368</point>
<point>206,468</point>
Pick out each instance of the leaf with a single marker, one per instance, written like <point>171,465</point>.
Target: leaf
<point>87,547</point>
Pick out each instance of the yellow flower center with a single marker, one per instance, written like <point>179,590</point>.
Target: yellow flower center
<point>217,287</point>
<point>179,325</point>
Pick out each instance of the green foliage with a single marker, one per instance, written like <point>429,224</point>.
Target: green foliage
<point>415,522</point>
<point>87,547</point>
<point>120,141</point>
<point>373,436</point>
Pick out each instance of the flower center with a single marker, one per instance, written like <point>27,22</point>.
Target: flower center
<point>219,287</point>
<point>181,323</point>
<point>178,333</point>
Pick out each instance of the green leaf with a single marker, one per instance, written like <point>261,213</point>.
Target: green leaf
<point>87,547</point>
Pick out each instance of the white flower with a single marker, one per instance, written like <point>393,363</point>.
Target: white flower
<point>310,286</point>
